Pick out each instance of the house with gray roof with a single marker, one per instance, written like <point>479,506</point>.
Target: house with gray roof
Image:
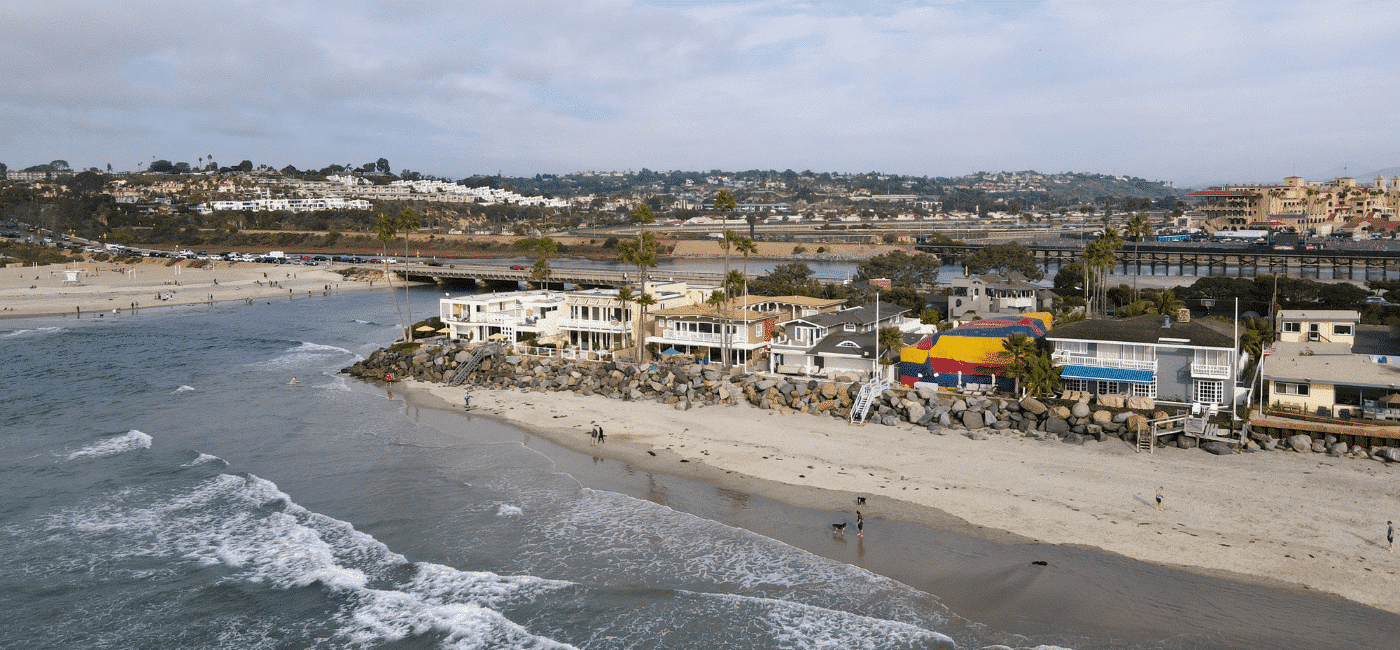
<point>795,350</point>
<point>1173,361</point>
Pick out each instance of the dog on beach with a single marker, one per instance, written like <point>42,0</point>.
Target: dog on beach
<point>860,501</point>
<point>838,528</point>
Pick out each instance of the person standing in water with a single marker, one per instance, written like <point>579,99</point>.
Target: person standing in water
<point>860,524</point>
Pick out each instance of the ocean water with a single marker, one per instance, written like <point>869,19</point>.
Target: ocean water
<point>165,486</point>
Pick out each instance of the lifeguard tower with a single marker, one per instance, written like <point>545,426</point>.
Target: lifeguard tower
<point>74,276</point>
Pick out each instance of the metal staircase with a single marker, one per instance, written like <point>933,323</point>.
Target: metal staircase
<point>868,392</point>
<point>471,364</point>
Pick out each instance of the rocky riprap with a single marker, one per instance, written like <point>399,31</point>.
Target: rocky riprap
<point>686,385</point>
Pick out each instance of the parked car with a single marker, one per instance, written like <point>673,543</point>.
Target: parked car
<point>519,267</point>
<point>1376,300</point>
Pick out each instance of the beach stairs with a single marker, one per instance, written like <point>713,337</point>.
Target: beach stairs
<point>466,368</point>
<point>864,398</point>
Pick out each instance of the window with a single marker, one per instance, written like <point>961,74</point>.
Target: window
<point>1284,388</point>
<point>1210,392</point>
<point>850,327</point>
<point>1293,327</point>
<point>1079,385</point>
<point>1072,347</point>
<point>1342,330</point>
<point>1145,390</point>
<point>1110,388</point>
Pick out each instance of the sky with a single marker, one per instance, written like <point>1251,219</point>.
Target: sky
<point>1188,91</point>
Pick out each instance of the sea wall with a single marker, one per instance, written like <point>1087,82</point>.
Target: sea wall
<point>680,382</point>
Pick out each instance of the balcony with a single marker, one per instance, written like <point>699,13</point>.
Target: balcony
<point>1064,358</point>
<point>590,325</point>
<point>708,338</point>
<point>1209,371</point>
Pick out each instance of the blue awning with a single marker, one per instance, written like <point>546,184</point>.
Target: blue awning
<point>1106,374</point>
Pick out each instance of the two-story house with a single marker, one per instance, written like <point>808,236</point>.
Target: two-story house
<point>510,316</point>
<point>795,349</point>
<point>1318,325</point>
<point>790,307</point>
<point>1176,361</point>
<point>701,330</point>
<point>993,296</point>
<point>596,319</point>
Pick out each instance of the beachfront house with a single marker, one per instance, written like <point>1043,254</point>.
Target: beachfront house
<point>596,320</point>
<point>790,307</point>
<point>1326,379</point>
<point>794,350</point>
<point>506,316</point>
<point>994,296</point>
<point>1173,361</point>
<point>699,330</point>
<point>971,353</point>
<point>1318,325</point>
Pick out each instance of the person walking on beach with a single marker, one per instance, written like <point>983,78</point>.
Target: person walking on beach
<point>600,434</point>
<point>1159,497</point>
<point>860,524</point>
<point>593,435</point>
<point>1390,535</point>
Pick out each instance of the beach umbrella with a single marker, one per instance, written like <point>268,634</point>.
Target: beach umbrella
<point>1392,398</point>
<point>670,351</point>
<point>445,330</point>
<point>497,337</point>
<point>425,328</point>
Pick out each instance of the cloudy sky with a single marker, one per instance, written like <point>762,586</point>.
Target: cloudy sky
<point>1189,91</point>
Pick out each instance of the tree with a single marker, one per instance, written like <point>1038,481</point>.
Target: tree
<point>640,253</point>
<point>382,165</point>
<point>1138,228</point>
<point>161,166</point>
<point>545,248</point>
<point>643,213</point>
<point>1041,376</point>
<point>902,269</point>
<point>407,222</point>
<point>930,316</point>
<point>1004,258</point>
<point>727,241</point>
<point>385,230</point>
<point>1099,258</point>
<point>246,166</point>
<point>725,203</point>
<point>1069,279</point>
<point>1016,352</point>
<point>890,339</point>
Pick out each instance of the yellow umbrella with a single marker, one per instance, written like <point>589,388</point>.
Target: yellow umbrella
<point>425,328</point>
<point>445,330</point>
<point>497,337</point>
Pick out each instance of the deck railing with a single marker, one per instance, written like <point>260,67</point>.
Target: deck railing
<point>1069,359</point>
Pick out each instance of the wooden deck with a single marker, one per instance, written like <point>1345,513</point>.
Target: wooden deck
<point>1366,435</point>
<point>1195,427</point>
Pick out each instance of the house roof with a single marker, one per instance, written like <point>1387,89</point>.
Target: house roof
<point>832,344</point>
<point>712,311</point>
<point>1143,329</point>
<point>1316,363</point>
<point>862,315</point>
<point>806,301</point>
<point>1320,314</point>
<point>1013,280</point>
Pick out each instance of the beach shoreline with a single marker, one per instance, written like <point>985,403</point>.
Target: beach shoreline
<point>147,284</point>
<point>1067,495</point>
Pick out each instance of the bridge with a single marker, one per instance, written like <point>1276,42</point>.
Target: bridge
<point>1215,261</point>
<point>501,273</point>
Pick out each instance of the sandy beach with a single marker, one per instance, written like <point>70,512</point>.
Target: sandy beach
<point>1299,521</point>
<point>147,284</point>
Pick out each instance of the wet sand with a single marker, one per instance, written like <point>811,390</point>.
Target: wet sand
<point>980,570</point>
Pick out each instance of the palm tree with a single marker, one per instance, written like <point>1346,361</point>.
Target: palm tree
<point>1099,258</point>
<point>385,230</point>
<point>545,248</point>
<point>1138,228</point>
<point>642,254</point>
<point>626,297</point>
<point>726,242</point>
<point>1042,376</point>
<point>718,300</point>
<point>1015,351</point>
<point>1166,303</point>
<point>407,222</point>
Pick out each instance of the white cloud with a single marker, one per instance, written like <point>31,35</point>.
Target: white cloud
<point>1174,90</point>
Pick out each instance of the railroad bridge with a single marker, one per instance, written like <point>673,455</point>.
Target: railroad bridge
<point>504,275</point>
<point>1157,259</point>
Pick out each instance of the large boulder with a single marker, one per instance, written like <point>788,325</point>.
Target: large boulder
<point>1033,406</point>
<point>1057,426</point>
<point>1103,417</point>
<point>1060,412</point>
<point>972,419</point>
<point>1140,403</point>
<point>1392,454</point>
<point>1319,447</point>
<point>1079,410</point>
<point>1111,401</point>
<point>917,413</point>
<point>1300,443</point>
<point>1218,448</point>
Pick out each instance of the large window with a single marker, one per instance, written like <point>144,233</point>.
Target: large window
<point>1210,391</point>
<point>1080,385</point>
<point>1285,388</point>
<point>1110,388</point>
<point>1146,390</point>
<point>1342,330</point>
<point>1293,327</point>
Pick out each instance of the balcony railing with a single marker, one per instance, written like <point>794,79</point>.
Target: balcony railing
<point>588,324</point>
<point>1210,371</point>
<point>702,337</point>
<point>1099,362</point>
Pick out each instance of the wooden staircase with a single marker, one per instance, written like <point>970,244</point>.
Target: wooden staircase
<point>471,364</point>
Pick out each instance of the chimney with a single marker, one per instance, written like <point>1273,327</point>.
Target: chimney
<point>1166,322</point>
<point>1183,315</point>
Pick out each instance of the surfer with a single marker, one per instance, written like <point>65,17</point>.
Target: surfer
<point>294,381</point>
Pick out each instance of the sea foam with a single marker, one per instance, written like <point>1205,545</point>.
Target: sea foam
<point>182,389</point>
<point>35,331</point>
<point>128,441</point>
